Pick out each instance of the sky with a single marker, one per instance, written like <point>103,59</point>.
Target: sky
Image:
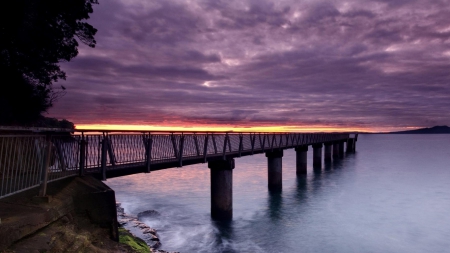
<point>291,65</point>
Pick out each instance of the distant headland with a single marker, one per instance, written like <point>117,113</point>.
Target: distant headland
<point>428,130</point>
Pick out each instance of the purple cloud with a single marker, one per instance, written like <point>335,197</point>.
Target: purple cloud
<point>336,63</point>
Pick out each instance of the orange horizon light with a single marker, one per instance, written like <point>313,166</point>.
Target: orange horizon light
<point>219,128</point>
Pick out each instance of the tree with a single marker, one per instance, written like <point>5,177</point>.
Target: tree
<point>35,36</point>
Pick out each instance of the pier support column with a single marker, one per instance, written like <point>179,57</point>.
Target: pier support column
<point>335,150</point>
<point>317,156</point>
<point>350,143</point>
<point>301,153</point>
<point>274,165</point>
<point>328,153</point>
<point>341,149</point>
<point>222,189</point>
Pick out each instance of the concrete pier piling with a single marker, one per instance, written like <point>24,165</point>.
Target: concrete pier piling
<point>335,150</point>
<point>341,149</point>
<point>351,145</point>
<point>221,189</point>
<point>317,156</point>
<point>274,166</point>
<point>301,153</point>
<point>328,153</point>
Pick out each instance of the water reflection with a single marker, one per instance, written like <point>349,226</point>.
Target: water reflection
<point>301,192</point>
<point>275,204</point>
<point>328,165</point>
<point>337,163</point>
<point>225,233</point>
<point>317,170</point>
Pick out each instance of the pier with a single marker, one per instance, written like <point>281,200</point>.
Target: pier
<point>32,159</point>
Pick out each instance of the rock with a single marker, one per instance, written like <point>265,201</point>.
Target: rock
<point>122,221</point>
<point>156,245</point>
<point>149,231</point>
<point>142,226</point>
<point>148,213</point>
<point>126,219</point>
<point>153,238</point>
<point>150,234</point>
<point>136,223</point>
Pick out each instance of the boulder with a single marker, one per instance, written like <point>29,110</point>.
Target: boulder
<point>148,213</point>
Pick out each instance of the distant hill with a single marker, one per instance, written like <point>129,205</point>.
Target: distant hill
<point>430,130</point>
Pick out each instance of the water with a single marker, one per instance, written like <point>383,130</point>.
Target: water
<point>393,195</point>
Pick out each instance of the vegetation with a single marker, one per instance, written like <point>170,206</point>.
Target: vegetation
<point>36,36</point>
<point>136,243</point>
<point>53,123</point>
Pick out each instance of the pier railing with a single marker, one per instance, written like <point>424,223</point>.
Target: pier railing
<point>34,159</point>
<point>27,161</point>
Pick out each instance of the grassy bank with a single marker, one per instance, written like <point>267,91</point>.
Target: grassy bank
<point>137,244</point>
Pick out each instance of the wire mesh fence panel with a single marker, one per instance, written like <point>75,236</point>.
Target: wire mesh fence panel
<point>191,147</point>
<point>247,142</point>
<point>93,153</point>
<point>21,163</point>
<point>212,145</point>
<point>163,148</point>
<point>64,157</point>
<point>125,149</point>
<point>233,143</point>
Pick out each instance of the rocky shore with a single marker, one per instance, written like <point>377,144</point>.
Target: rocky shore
<point>139,229</point>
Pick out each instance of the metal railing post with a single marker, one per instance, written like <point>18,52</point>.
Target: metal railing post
<point>175,150</point>
<point>62,162</point>
<point>205,148</point>
<point>149,152</point>
<point>45,167</point>
<point>271,144</point>
<point>82,155</point>
<point>181,151</point>
<point>104,154</point>
<point>253,141</point>
<point>263,142</point>
<point>196,145</point>
<point>112,156</point>
<point>214,143</point>
<point>225,142</point>
<point>240,144</point>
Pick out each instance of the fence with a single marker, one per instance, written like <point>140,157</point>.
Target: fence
<point>28,161</point>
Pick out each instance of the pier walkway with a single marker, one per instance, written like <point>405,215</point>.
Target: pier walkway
<point>33,158</point>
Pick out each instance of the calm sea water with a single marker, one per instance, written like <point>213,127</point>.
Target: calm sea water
<point>392,195</point>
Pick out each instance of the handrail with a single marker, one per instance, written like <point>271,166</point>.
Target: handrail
<point>29,160</point>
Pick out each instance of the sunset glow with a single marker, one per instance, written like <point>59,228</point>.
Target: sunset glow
<point>297,129</point>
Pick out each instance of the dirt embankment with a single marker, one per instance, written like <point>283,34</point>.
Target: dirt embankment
<point>79,215</point>
<point>77,234</point>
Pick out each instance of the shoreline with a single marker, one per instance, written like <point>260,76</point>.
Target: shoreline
<point>139,229</point>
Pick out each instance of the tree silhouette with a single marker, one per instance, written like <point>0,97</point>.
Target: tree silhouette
<point>35,36</point>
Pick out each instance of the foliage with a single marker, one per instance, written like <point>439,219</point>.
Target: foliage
<point>136,243</point>
<point>35,36</point>
<point>53,123</point>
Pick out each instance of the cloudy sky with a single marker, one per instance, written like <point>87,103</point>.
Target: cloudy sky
<point>374,65</point>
